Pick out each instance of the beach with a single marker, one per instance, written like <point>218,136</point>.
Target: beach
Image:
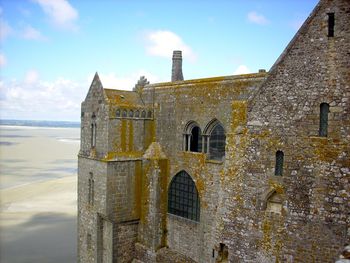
<point>38,182</point>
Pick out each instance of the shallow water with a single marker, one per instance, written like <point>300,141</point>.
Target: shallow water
<point>38,179</point>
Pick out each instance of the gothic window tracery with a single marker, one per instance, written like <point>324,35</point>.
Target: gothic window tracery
<point>183,198</point>
<point>215,140</point>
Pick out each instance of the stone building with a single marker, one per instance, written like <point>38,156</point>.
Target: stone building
<point>247,168</point>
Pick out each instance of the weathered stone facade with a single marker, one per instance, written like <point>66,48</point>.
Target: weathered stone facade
<point>281,193</point>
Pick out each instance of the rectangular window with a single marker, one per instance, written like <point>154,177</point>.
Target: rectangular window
<point>331,24</point>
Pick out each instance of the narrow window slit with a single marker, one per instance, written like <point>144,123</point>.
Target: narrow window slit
<point>331,24</point>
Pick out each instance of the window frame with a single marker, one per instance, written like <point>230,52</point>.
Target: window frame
<point>183,197</point>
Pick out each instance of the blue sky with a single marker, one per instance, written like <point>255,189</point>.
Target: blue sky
<point>50,49</point>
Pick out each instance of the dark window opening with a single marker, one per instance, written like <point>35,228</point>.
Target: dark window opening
<point>324,110</point>
<point>131,113</point>
<point>93,135</point>
<point>137,114</point>
<point>331,24</point>
<point>223,253</point>
<point>143,114</point>
<point>91,190</point>
<point>196,140</point>
<point>117,113</point>
<point>149,114</point>
<point>279,163</point>
<point>125,114</point>
<point>217,143</point>
<point>183,199</point>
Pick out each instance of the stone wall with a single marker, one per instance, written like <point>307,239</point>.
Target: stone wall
<point>301,216</point>
<point>88,212</point>
<point>124,243</point>
<point>200,101</point>
<point>284,115</point>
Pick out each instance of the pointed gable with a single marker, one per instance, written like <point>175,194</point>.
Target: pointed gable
<point>96,89</point>
<point>312,69</point>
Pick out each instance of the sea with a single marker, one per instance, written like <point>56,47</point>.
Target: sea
<point>38,191</point>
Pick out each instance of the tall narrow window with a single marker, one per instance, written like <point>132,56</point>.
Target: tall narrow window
<point>93,134</point>
<point>196,140</point>
<point>183,199</point>
<point>324,110</point>
<point>279,163</point>
<point>217,143</point>
<point>331,24</point>
<point>91,189</point>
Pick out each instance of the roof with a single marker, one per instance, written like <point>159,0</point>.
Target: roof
<point>194,82</point>
<point>123,98</point>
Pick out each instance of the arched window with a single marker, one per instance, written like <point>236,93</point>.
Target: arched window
<point>125,113</point>
<point>183,199</point>
<point>143,114</point>
<point>217,141</point>
<point>279,163</point>
<point>131,113</point>
<point>324,110</point>
<point>137,113</point>
<point>149,114</point>
<point>117,113</point>
<point>192,137</point>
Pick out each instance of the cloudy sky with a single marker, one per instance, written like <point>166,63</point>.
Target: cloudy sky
<point>50,49</point>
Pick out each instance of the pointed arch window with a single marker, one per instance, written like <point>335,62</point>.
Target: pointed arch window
<point>137,114</point>
<point>279,163</point>
<point>143,114</point>
<point>324,110</point>
<point>183,198</point>
<point>215,140</point>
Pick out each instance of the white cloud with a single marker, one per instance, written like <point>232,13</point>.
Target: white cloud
<point>126,82</point>
<point>256,18</point>
<point>162,43</point>
<point>242,69</point>
<point>60,12</point>
<point>56,100</point>
<point>31,77</point>
<point>5,30</point>
<point>3,60</point>
<point>34,98</point>
<point>31,33</point>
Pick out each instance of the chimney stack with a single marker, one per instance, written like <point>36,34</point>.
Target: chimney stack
<point>176,73</point>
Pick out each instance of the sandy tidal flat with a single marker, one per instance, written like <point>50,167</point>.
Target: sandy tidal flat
<point>38,194</point>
